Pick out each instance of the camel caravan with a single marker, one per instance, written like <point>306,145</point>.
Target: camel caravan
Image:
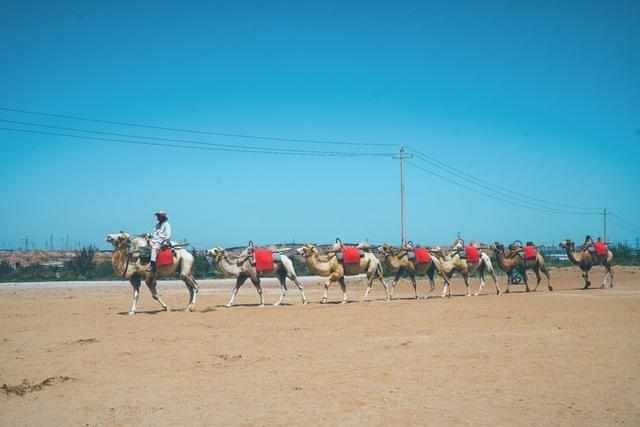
<point>150,256</point>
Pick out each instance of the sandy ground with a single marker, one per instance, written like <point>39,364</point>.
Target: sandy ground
<point>567,358</point>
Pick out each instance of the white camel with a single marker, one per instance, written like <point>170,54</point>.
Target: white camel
<point>242,269</point>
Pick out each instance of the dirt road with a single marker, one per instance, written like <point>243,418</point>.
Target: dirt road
<point>70,356</point>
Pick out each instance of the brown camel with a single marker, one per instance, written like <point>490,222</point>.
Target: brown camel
<point>126,262</point>
<point>514,261</point>
<point>398,262</point>
<point>329,266</point>
<point>586,260</point>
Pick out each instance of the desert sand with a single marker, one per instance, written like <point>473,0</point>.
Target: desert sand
<point>70,355</point>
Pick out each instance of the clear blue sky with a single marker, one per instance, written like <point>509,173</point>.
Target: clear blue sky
<point>540,96</point>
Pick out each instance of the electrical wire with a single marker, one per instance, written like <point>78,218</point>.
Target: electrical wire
<point>193,131</point>
<point>494,196</point>
<point>503,191</point>
<point>173,140</point>
<point>203,148</point>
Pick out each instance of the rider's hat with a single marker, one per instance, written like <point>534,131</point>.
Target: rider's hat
<point>161,213</point>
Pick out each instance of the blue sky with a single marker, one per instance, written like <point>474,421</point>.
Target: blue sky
<point>541,97</point>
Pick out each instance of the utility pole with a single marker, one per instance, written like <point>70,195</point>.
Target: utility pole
<point>604,215</point>
<point>402,157</point>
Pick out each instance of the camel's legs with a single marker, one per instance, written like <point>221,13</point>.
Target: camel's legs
<point>283,289</point>
<point>415,284</point>
<point>295,280</point>
<point>585,276</point>
<point>325,297</point>
<point>548,276</point>
<point>239,282</point>
<point>385,286</point>
<point>608,274</point>
<point>192,287</point>
<point>256,283</point>
<point>135,283</point>
<point>432,283</point>
<point>495,281</point>
<point>509,273</point>
<point>153,288</point>
<point>380,276</point>
<point>369,286</point>
<point>526,280</point>
<point>446,288</point>
<point>466,283</point>
<point>396,279</point>
<point>536,271</point>
<point>482,283</point>
<point>343,286</point>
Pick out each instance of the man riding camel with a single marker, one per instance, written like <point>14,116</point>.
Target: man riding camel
<point>588,244</point>
<point>161,236</point>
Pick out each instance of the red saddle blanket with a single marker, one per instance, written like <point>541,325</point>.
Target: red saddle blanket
<point>350,255</point>
<point>165,257</point>
<point>601,248</point>
<point>422,255</point>
<point>530,252</point>
<point>473,254</point>
<point>264,259</point>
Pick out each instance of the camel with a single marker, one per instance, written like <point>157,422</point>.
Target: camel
<point>241,268</point>
<point>448,264</point>
<point>586,260</point>
<point>329,266</point>
<point>398,262</point>
<point>126,262</point>
<point>509,264</point>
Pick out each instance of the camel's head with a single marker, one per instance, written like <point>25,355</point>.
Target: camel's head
<point>567,244</point>
<point>386,249</point>
<point>437,251</point>
<point>119,240</point>
<point>307,250</point>
<point>215,253</point>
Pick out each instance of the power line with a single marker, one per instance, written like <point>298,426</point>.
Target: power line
<point>290,152</point>
<point>503,191</point>
<point>494,196</point>
<point>153,138</point>
<point>193,131</point>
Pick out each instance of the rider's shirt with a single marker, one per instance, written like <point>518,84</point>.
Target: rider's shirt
<point>162,232</point>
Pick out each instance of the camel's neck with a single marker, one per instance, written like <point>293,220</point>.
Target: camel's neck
<point>318,266</point>
<point>228,266</point>
<point>119,260</point>
<point>574,257</point>
<point>393,261</point>
<point>502,261</point>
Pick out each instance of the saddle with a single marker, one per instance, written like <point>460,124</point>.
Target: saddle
<point>349,255</point>
<point>165,256</point>
<point>601,248</point>
<point>422,255</point>
<point>530,252</point>
<point>263,259</point>
<point>473,254</point>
